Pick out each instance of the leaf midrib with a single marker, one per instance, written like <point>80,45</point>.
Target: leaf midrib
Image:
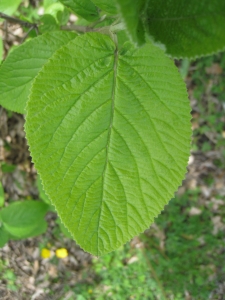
<point>116,57</point>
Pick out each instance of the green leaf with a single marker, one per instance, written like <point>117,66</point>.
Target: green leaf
<point>187,28</point>
<point>8,7</point>
<point>63,16</point>
<point>40,228</point>
<point>109,134</point>
<point>106,5</point>
<point>20,68</point>
<point>47,3</point>
<point>122,38</point>
<point>21,219</point>
<point>54,8</point>
<point>132,13</point>
<point>2,199</point>
<point>4,236</point>
<point>84,8</point>
<point>48,23</point>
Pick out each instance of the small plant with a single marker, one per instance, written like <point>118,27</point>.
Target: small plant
<point>107,113</point>
<point>22,219</point>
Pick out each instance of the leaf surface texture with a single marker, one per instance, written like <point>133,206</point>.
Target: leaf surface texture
<point>109,133</point>
<point>132,13</point>
<point>187,28</point>
<point>84,8</point>
<point>23,64</point>
<point>106,5</point>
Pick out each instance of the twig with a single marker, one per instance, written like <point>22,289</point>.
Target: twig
<point>26,35</point>
<point>26,24</point>
<point>17,21</point>
<point>78,28</point>
<point>82,29</point>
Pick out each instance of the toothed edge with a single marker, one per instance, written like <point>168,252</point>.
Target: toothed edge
<point>162,46</point>
<point>100,253</point>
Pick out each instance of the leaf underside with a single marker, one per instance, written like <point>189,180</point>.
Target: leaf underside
<point>187,28</point>
<point>132,13</point>
<point>20,68</point>
<point>106,5</point>
<point>109,134</point>
<point>84,8</point>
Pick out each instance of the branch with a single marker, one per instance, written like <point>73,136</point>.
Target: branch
<point>18,21</point>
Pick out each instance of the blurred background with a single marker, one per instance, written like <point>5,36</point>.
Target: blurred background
<point>181,256</point>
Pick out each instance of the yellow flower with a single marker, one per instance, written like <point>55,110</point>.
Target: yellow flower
<point>61,253</point>
<point>45,253</point>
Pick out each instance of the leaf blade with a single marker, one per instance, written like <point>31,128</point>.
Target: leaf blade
<point>106,6</point>
<point>84,8</point>
<point>20,68</point>
<point>98,149</point>
<point>9,6</point>
<point>24,218</point>
<point>132,13</point>
<point>187,28</point>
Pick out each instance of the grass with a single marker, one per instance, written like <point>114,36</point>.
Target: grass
<point>8,277</point>
<point>208,88</point>
<point>191,254</point>
<point>180,253</point>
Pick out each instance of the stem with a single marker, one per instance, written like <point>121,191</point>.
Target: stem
<point>84,29</point>
<point>78,28</point>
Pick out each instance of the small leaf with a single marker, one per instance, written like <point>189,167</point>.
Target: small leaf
<point>8,7</point>
<point>40,228</point>
<point>20,68</point>
<point>63,16</point>
<point>132,13</point>
<point>109,133</point>
<point>187,28</point>
<point>24,218</point>
<point>54,8</point>
<point>106,5</point>
<point>84,8</point>
<point>48,23</point>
